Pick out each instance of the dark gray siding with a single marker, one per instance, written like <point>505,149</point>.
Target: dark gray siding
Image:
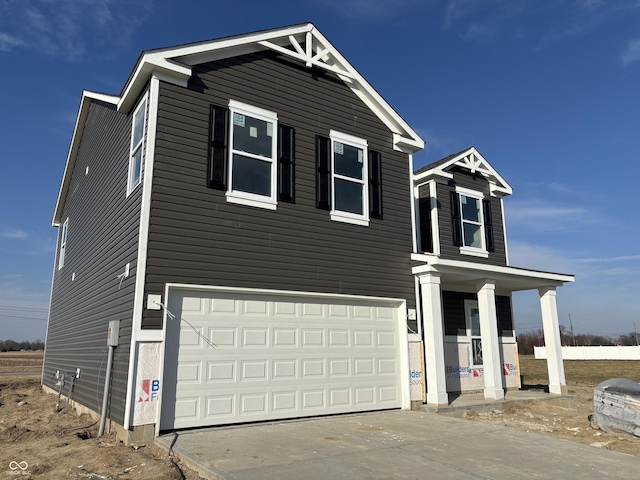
<point>102,238</point>
<point>447,248</point>
<point>197,237</point>
<point>454,314</point>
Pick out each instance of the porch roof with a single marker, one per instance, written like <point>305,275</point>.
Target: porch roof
<point>456,274</point>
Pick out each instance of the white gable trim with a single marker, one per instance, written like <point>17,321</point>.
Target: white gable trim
<point>473,161</point>
<point>83,111</point>
<point>174,65</point>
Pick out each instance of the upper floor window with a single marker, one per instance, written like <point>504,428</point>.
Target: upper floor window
<point>471,216</point>
<point>63,243</point>
<point>350,200</point>
<point>137,147</point>
<point>252,157</point>
<point>348,178</point>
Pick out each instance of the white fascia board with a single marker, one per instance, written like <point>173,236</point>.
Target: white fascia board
<point>498,186</point>
<point>83,110</point>
<point>288,293</point>
<point>405,139</point>
<point>433,262</point>
<point>152,64</point>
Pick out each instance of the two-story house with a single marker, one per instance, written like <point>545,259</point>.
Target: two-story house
<point>246,211</point>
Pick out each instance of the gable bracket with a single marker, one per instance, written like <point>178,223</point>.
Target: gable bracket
<point>320,58</point>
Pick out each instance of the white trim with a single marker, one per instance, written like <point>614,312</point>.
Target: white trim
<point>435,225</point>
<point>434,263</point>
<point>78,129</point>
<point>359,143</point>
<point>467,192</point>
<point>63,243</point>
<point>504,231</point>
<point>288,293</point>
<point>473,161</point>
<point>246,198</point>
<point>468,305</point>
<point>474,252</point>
<point>138,147</point>
<point>468,249</point>
<point>137,334</point>
<point>415,224</point>
<point>253,110</point>
<point>175,64</point>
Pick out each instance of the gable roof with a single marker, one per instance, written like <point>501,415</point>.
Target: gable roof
<point>83,111</point>
<point>302,42</point>
<point>469,159</point>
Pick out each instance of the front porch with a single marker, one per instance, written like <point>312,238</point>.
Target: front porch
<point>483,330</point>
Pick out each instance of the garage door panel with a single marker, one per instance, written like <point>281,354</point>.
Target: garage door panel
<point>221,371</point>
<point>277,359</point>
<point>312,337</point>
<point>223,337</point>
<point>285,337</point>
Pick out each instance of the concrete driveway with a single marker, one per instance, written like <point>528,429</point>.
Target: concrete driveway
<point>391,444</point>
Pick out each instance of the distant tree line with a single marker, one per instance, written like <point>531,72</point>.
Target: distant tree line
<point>535,338</point>
<point>13,346</point>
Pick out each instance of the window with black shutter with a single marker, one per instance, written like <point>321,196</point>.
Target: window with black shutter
<point>251,156</point>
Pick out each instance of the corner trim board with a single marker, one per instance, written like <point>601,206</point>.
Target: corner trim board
<point>137,334</point>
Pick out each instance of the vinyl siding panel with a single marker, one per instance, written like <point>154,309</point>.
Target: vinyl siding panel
<point>197,237</point>
<point>447,249</point>
<point>454,314</point>
<point>102,238</point>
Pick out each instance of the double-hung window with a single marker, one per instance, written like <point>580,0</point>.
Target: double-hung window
<point>252,156</point>
<point>137,146</point>
<point>350,196</point>
<point>63,243</point>
<point>472,222</point>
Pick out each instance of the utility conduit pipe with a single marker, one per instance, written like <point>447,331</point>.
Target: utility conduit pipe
<point>112,342</point>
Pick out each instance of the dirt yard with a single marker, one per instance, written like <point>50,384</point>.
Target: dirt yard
<point>571,424</point>
<point>39,442</point>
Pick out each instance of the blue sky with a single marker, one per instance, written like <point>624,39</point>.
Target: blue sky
<point>548,92</point>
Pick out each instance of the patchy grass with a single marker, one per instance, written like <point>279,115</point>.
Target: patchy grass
<point>590,372</point>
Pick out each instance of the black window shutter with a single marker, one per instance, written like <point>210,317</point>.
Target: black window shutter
<point>488,225</point>
<point>375,184</point>
<point>456,219</point>
<point>286,163</point>
<point>323,172</point>
<point>218,161</point>
<point>426,237</point>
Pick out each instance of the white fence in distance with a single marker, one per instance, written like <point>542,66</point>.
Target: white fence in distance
<point>593,353</point>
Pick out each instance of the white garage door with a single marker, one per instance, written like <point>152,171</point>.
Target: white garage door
<point>277,357</point>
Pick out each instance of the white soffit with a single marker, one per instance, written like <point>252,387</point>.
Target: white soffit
<point>303,42</point>
<point>83,111</point>
<point>473,161</point>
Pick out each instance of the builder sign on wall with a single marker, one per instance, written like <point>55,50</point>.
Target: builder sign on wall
<point>147,384</point>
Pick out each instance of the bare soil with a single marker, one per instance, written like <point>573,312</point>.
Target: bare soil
<point>39,442</point>
<point>571,424</point>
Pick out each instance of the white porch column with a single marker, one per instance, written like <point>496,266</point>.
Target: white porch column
<point>490,344</point>
<point>557,382</point>
<point>433,339</point>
